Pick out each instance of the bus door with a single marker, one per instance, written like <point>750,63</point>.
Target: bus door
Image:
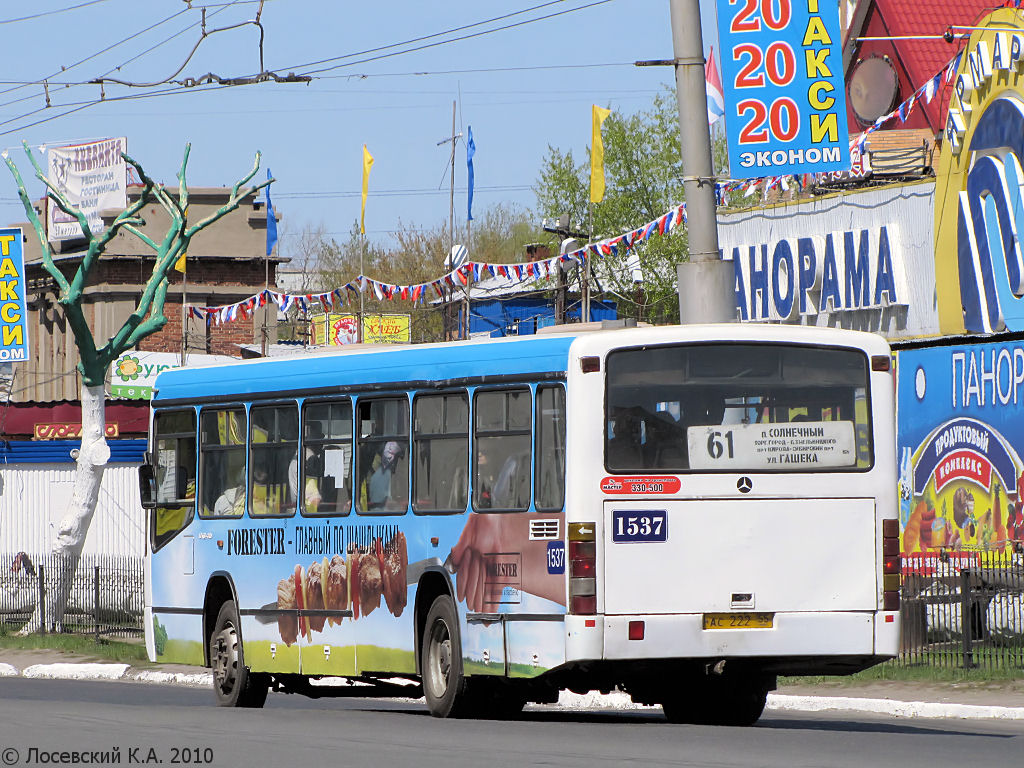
<point>740,480</point>
<point>518,495</point>
<point>325,491</point>
<point>251,503</point>
<point>171,564</point>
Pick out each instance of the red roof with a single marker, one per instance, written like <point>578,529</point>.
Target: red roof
<point>916,61</point>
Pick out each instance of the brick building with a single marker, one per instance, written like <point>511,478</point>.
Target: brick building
<point>226,263</point>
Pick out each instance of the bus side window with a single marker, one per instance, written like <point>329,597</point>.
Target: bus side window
<point>327,458</point>
<point>502,427</point>
<point>440,453</point>
<point>382,464</point>
<point>222,462</point>
<point>175,468</point>
<point>550,491</point>
<point>273,446</point>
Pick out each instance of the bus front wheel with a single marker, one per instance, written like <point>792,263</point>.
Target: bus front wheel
<point>233,684</point>
<point>444,685</point>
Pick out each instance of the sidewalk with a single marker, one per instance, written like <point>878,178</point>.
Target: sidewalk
<point>1002,700</point>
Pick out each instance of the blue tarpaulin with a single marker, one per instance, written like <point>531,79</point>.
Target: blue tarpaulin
<point>59,451</point>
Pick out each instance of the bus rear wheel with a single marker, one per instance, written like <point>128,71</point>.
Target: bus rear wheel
<point>725,701</point>
<point>233,684</point>
<point>444,685</point>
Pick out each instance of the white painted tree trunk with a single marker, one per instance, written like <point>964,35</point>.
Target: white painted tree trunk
<point>74,527</point>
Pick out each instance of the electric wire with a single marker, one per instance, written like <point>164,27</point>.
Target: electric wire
<point>54,12</point>
<point>450,40</point>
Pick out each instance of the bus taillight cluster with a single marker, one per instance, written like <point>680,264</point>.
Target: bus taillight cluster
<point>582,569</point>
<point>891,565</point>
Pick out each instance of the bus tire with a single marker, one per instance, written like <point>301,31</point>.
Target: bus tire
<point>725,702</point>
<point>233,684</point>
<point>444,685</point>
<point>495,698</point>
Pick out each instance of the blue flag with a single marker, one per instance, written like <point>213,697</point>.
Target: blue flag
<point>271,220</point>
<point>470,151</point>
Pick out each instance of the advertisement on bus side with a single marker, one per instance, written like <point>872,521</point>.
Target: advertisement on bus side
<point>336,596</point>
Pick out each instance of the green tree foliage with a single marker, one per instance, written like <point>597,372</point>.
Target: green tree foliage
<point>643,173</point>
<point>416,255</point>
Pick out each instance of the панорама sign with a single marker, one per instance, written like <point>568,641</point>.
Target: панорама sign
<point>782,73</point>
<point>13,328</point>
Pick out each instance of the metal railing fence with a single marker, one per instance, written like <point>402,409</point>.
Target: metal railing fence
<point>105,599</point>
<point>963,609</point>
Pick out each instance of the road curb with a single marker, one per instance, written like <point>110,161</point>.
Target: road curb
<point>893,707</point>
<point>777,702</point>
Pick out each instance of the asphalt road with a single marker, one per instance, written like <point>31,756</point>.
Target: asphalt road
<point>181,724</point>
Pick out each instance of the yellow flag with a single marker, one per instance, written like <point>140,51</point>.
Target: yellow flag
<point>597,155</point>
<point>367,165</point>
<point>180,263</point>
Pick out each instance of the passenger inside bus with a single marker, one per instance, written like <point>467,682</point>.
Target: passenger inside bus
<point>231,503</point>
<point>378,481</point>
<point>624,447</point>
<point>312,470</point>
<point>267,496</point>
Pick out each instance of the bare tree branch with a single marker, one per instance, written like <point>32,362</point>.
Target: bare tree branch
<point>33,217</point>
<point>142,236</point>
<point>57,196</point>
<point>234,201</point>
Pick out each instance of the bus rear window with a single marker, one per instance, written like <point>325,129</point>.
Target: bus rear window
<point>737,407</point>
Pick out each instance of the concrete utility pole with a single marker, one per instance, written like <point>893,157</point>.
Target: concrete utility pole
<point>706,283</point>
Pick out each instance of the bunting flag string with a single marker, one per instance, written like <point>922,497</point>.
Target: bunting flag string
<point>473,271</point>
<point>463,276</point>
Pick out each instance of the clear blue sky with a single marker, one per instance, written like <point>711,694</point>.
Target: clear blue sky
<point>520,89</point>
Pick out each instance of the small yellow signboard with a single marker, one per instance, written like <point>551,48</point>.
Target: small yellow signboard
<point>335,329</point>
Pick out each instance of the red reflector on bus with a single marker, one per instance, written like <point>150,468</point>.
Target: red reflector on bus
<point>590,623</point>
<point>636,630</point>
<point>880,362</point>
<point>889,618</point>
<point>590,364</point>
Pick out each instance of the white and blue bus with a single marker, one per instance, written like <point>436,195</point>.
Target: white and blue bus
<point>682,513</point>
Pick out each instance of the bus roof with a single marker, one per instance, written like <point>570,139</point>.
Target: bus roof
<point>422,362</point>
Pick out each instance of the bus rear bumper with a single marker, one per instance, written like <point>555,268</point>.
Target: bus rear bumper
<point>682,636</point>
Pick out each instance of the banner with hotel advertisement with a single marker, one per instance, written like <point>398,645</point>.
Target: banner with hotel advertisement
<point>94,177</point>
<point>959,410</point>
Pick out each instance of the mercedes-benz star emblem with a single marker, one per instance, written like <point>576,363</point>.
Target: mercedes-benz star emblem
<point>743,485</point>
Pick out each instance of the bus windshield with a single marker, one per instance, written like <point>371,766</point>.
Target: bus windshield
<point>737,407</point>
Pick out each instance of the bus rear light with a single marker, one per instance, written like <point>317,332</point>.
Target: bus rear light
<point>636,630</point>
<point>582,550</point>
<point>582,568</point>
<point>583,605</point>
<point>880,362</point>
<point>891,564</point>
